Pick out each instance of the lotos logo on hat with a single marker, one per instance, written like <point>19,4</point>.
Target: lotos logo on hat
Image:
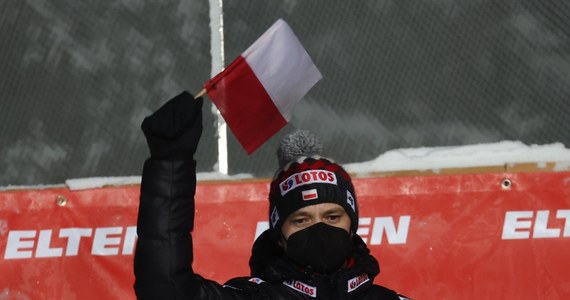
<point>306,177</point>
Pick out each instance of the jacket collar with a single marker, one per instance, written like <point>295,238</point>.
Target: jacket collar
<point>269,263</point>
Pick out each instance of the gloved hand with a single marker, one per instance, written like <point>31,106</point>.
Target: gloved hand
<point>173,131</point>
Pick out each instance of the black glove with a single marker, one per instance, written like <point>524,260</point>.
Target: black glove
<point>173,131</point>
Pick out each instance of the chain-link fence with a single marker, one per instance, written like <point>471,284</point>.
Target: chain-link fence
<point>78,77</point>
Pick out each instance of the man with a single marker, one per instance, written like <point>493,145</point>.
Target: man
<point>311,251</point>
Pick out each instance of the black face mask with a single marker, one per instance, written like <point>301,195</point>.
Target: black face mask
<point>320,247</point>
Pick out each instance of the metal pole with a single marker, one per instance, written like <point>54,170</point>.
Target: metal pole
<point>217,54</point>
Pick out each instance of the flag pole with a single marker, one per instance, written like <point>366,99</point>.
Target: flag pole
<point>200,94</point>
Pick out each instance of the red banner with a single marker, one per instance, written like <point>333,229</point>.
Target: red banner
<point>471,236</point>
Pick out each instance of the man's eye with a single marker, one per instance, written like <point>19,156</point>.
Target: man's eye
<point>300,221</point>
<point>332,218</point>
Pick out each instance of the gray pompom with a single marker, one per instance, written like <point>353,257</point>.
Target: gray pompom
<point>299,143</point>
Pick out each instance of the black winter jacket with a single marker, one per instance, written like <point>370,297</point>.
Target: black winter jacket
<point>163,257</point>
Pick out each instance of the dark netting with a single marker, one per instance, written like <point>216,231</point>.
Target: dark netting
<point>78,77</point>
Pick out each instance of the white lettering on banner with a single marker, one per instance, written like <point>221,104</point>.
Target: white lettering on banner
<point>379,225</point>
<point>106,241</point>
<point>19,244</point>
<point>73,236</point>
<point>384,225</point>
<point>518,224</point>
<point>38,243</point>
<point>43,249</point>
<point>130,240</point>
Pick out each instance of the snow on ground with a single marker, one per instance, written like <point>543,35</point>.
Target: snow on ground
<point>422,159</point>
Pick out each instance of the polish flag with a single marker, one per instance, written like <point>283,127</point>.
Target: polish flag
<point>257,92</point>
<point>310,194</point>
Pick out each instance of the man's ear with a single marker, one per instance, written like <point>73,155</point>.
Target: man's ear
<point>281,241</point>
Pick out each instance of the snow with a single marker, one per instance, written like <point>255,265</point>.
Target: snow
<point>422,159</point>
<point>98,182</point>
<point>480,155</point>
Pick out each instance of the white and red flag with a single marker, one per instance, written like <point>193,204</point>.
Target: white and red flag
<point>257,92</point>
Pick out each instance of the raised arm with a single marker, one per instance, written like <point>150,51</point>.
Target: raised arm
<point>163,257</point>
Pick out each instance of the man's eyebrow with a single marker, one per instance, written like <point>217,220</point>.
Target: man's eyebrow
<point>299,214</point>
<point>334,210</point>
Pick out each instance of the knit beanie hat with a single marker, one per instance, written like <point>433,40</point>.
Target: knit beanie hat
<point>306,178</point>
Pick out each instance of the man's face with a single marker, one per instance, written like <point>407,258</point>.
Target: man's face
<point>329,213</point>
